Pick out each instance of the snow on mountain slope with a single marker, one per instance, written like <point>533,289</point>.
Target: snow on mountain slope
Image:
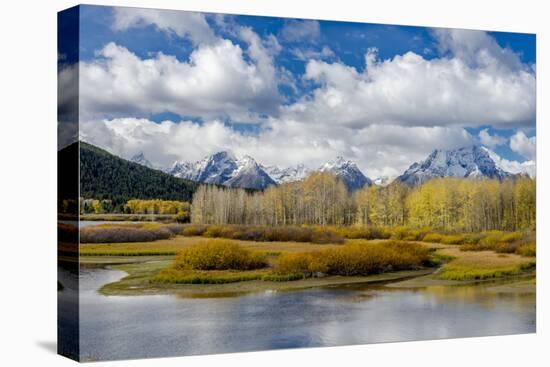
<point>473,161</point>
<point>249,174</point>
<point>348,172</point>
<point>290,174</point>
<point>223,168</point>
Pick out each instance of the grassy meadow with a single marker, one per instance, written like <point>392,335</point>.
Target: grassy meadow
<point>186,257</point>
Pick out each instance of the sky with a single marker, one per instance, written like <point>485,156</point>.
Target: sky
<point>180,85</point>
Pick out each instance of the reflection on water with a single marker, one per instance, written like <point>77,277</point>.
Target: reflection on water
<point>121,327</point>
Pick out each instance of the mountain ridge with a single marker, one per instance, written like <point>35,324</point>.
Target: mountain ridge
<point>225,168</point>
<point>465,162</point>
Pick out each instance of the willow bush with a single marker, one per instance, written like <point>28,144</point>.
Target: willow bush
<point>120,234</point>
<point>360,258</point>
<point>219,255</point>
<point>314,234</point>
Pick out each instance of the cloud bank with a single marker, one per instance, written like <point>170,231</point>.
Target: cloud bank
<point>384,114</point>
<point>523,145</point>
<point>379,149</point>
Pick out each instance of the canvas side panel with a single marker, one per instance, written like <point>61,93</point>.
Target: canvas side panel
<point>68,184</point>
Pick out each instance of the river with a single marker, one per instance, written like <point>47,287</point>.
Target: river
<point>127,327</point>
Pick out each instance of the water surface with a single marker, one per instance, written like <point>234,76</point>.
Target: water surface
<point>124,327</point>
<point>88,223</point>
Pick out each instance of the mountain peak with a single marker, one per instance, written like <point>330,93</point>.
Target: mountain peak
<point>470,161</point>
<point>140,158</point>
<point>224,168</point>
<point>224,154</point>
<point>348,172</point>
<point>339,161</point>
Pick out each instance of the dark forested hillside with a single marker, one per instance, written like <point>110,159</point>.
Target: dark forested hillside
<point>106,176</point>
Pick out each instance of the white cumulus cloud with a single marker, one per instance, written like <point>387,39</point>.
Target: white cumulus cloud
<point>378,149</point>
<point>181,23</point>
<point>410,90</point>
<point>489,140</point>
<point>526,167</point>
<point>384,115</point>
<point>521,144</point>
<point>216,81</point>
<point>477,49</point>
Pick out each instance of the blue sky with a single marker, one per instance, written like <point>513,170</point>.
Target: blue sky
<point>381,95</point>
<point>351,39</point>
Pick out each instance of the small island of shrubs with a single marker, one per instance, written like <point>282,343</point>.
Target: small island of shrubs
<point>222,261</point>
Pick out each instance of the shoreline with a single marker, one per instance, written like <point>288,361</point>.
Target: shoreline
<point>136,282</point>
<point>430,281</point>
<point>140,270</point>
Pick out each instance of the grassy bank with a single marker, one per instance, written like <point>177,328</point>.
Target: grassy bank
<point>521,243</point>
<point>190,257</point>
<point>456,264</point>
<point>478,265</point>
<point>138,282</point>
<point>175,244</point>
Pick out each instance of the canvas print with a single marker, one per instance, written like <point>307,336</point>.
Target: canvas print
<point>233,183</point>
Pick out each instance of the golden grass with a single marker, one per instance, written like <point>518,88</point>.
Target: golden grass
<point>171,275</point>
<point>499,241</point>
<point>528,249</point>
<point>468,265</point>
<point>189,276</point>
<point>174,245</point>
<point>459,265</point>
<point>140,282</point>
<point>160,247</point>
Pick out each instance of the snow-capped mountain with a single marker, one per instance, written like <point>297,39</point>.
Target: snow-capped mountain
<point>214,169</point>
<point>473,161</point>
<point>290,174</point>
<point>224,168</point>
<point>185,170</point>
<point>140,159</point>
<point>249,174</point>
<point>348,172</point>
